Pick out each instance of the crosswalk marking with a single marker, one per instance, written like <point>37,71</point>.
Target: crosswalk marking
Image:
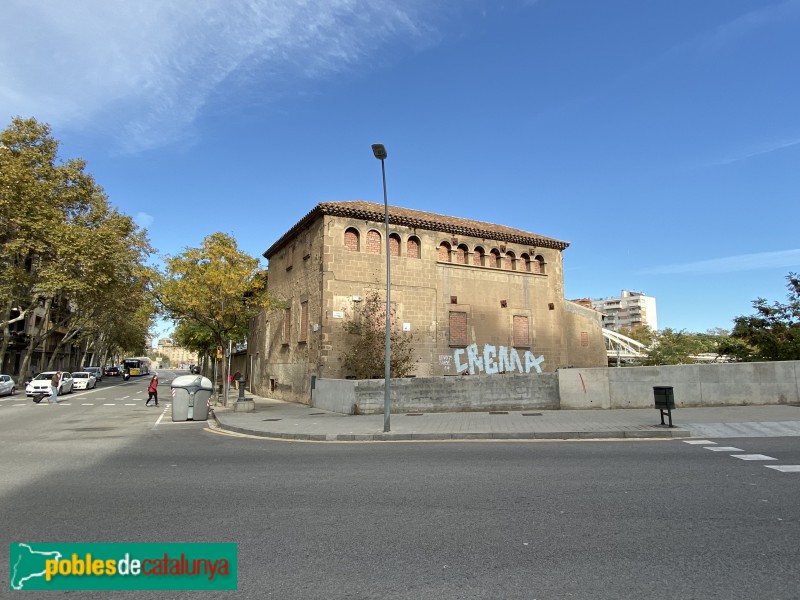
<point>753,457</point>
<point>703,442</point>
<point>785,468</point>
<point>725,449</point>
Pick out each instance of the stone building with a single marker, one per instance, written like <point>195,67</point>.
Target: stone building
<point>478,298</point>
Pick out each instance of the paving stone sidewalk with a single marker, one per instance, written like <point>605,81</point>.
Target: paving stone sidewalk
<point>289,421</point>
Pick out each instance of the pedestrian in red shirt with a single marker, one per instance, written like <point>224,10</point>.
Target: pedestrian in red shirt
<point>152,390</point>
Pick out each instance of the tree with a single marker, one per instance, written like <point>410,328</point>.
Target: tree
<point>366,357</point>
<point>216,288</point>
<point>63,249</point>
<point>773,333</point>
<point>672,347</point>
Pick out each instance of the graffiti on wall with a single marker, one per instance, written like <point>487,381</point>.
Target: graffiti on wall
<point>493,360</point>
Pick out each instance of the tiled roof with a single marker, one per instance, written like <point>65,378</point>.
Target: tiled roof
<point>417,219</point>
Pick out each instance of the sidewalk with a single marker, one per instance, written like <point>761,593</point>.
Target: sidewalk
<point>289,421</point>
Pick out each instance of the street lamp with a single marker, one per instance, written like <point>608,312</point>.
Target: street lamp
<point>380,153</point>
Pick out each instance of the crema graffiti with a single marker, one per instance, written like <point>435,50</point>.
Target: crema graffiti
<point>492,360</point>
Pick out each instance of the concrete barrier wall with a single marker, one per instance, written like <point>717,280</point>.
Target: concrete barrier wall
<point>440,394</point>
<point>732,384</point>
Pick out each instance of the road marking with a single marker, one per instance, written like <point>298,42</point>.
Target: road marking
<point>109,404</point>
<point>753,457</point>
<point>785,468</point>
<point>725,449</point>
<point>130,404</point>
<point>66,404</point>
<point>703,442</point>
<point>87,404</point>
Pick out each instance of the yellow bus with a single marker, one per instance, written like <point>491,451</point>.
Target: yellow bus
<point>139,365</point>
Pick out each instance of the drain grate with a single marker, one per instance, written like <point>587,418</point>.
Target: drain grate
<point>498,412</point>
<point>531,414</point>
<point>311,414</point>
<point>414,414</point>
<point>272,419</point>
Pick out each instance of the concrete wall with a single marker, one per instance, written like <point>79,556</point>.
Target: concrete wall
<point>440,394</point>
<point>733,384</point>
<point>738,384</point>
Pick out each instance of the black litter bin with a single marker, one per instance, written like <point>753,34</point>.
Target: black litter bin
<point>665,401</point>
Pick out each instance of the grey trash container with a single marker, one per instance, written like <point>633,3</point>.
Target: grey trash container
<point>190,395</point>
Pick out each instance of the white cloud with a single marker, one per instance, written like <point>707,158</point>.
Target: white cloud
<point>731,264</point>
<point>755,150</point>
<point>146,68</point>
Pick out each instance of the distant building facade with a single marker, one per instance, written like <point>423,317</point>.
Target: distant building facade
<point>631,310</point>
<point>477,297</point>
<point>176,355</point>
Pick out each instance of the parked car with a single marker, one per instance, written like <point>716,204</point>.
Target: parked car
<point>83,380</point>
<point>112,371</point>
<point>7,385</point>
<point>41,384</point>
<point>96,371</point>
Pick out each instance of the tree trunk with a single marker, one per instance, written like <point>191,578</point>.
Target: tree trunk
<point>36,339</point>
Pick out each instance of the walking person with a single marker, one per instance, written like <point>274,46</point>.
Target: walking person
<point>152,390</point>
<point>54,381</point>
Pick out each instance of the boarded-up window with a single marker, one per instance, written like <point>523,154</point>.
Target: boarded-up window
<point>526,263</point>
<point>351,239</point>
<point>585,339</point>
<point>458,328</point>
<point>511,262</point>
<point>302,335</point>
<point>522,337</point>
<point>394,245</point>
<point>444,252</point>
<point>478,257</point>
<point>496,263</point>
<point>373,242</point>
<point>287,325</point>
<point>413,247</point>
<point>461,255</point>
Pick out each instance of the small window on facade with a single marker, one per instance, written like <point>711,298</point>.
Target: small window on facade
<point>351,239</point>
<point>307,246</point>
<point>511,261</point>
<point>525,261</point>
<point>373,242</point>
<point>538,265</point>
<point>444,252</point>
<point>479,257</point>
<point>287,325</point>
<point>496,263</point>
<point>412,247</point>
<point>289,256</point>
<point>458,328</point>
<point>461,255</point>
<point>302,335</point>
<point>521,332</point>
<point>394,245</point>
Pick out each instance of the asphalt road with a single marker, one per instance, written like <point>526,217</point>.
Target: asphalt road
<point>544,520</point>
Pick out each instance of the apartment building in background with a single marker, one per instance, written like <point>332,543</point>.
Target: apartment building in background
<point>630,310</point>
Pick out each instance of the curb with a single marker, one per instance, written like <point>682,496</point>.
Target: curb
<point>405,437</point>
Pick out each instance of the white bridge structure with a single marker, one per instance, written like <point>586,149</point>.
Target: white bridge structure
<point>622,349</point>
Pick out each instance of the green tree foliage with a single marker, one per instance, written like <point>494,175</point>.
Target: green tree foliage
<point>672,347</point>
<point>63,250</point>
<point>773,333</point>
<point>366,356</point>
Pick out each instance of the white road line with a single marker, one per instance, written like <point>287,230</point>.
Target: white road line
<point>785,468</point>
<point>87,404</point>
<point>66,404</point>
<point>703,442</point>
<point>109,404</point>
<point>725,449</point>
<point>130,404</point>
<point>753,457</point>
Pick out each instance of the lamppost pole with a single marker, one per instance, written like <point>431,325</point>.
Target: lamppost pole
<point>380,153</point>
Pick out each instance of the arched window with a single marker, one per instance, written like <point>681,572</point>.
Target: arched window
<point>494,261</point>
<point>479,257</point>
<point>538,264</point>
<point>412,247</point>
<point>394,245</point>
<point>511,261</point>
<point>461,254</point>
<point>444,252</point>
<point>351,239</point>
<point>525,261</point>
<point>373,242</point>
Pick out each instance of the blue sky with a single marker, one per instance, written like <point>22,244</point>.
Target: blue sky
<point>661,139</point>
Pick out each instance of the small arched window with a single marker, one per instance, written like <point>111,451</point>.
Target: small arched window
<point>511,261</point>
<point>444,252</point>
<point>394,245</point>
<point>351,239</point>
<point>373,242</point>
<point>461,254</point>
<point>538,264</point>
<point>525,261</point>
<point>412,247</point>
<point>479,257</point>
<point>495,261</point>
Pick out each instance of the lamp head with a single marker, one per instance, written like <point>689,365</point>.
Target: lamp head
<point>379,151</point>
